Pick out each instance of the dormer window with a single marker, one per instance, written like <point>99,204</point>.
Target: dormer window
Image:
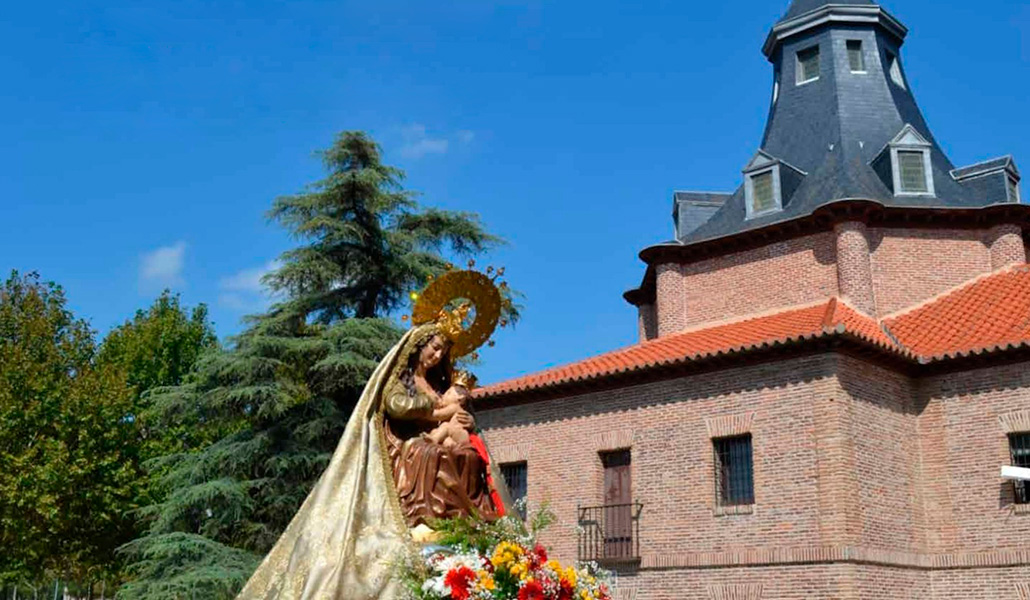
<point>768,183</point>
<point>911,173</point>
<point>1013,188</point>
<point>808,65</point>
<point>856,61</point>
<point>894,68</point>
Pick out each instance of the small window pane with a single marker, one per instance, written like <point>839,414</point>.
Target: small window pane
<point>762,192</point>
<point>1013,188</point>
<point>855,59</point>
<point>734,471</point>
<point>808,65</point>
<point>515,476</point>
<point>1019,447</point>
<point>912,171</point>
<point>895,70</point>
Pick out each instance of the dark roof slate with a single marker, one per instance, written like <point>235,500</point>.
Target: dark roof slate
<point>800,7</point>
<point>987,166</point>
<point>836,129</point>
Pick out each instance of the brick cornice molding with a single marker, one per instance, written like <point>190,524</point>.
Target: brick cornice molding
<point>1015,422</point>
<point>616,439</point>
<point>751,557</point>
<point>728,425</point>
<point>510,453</point>
<point>747,591</point>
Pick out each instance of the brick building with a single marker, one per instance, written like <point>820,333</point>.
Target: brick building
<point>832,366</point>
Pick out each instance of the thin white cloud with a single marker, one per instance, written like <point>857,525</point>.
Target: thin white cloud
<point>163,267</point>
<point>417,142</point>
<point>243,291</point>
<point>465,136</point>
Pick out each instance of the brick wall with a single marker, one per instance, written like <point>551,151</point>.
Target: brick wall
<point>883,479</point>
<point>672,455</point>
<point>964,447</point>
<point>913,265</point>
<point>880,271</point>
<point>780,274</point>
<point>868,483</point>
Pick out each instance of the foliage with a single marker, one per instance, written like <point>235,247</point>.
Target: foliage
<point>284,391</point>
<point>66,441</point>
<point>158,348</point>
<point>501,560</point>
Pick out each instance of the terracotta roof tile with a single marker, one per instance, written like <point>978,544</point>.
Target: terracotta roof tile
<point>989,313</point>
<point>833,317</point>
<point>984,315</point>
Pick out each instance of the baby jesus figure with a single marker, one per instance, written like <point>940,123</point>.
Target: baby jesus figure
<point>451,433</point>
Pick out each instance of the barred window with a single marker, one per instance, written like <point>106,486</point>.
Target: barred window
<point>912,171</point>
<point>1019,448</point>
<point>808,65</point>
<point>855,58</point>
<point>515,477</point>
<point>734,470</point>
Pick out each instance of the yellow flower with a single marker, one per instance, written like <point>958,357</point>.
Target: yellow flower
<point>486,580</point>
<point>505,554</point>
<point>570,576</point>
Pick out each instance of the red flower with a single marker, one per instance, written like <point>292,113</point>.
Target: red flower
<point>538,557</point>
<point>566,591</point>
<point>459,580</point>
<point>532,591</point>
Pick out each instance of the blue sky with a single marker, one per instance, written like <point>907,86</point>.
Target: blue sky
<point>143,141</point>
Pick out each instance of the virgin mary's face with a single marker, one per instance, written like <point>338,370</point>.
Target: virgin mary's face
<point>433,352</point>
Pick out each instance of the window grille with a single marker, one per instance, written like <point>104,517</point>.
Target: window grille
<point>1019,447</point>
<point>734,471</point>
<point>515,476</point>
<point>1013,189</point>
<point>855,59</point>
<point>763,198</point>
<point>808,65</point>
<point>912,171</point>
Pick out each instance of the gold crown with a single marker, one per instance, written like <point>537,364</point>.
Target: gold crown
<point>465,379</point>
<point>449,300</point>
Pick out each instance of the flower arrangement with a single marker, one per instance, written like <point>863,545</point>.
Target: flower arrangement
<point>474,560</point>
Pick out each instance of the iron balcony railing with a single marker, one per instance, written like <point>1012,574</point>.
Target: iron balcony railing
<point>610,532</point>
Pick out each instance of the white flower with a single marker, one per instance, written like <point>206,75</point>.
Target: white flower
<point>437,586</point>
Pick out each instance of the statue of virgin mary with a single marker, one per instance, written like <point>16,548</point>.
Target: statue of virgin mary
<point>387,476</point>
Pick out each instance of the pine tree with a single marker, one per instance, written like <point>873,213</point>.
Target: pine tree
<point>284,392</point>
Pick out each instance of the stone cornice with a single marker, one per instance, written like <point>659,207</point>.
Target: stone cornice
<point>833,14</point>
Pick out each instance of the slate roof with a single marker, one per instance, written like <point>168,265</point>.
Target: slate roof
<point>834,128</point>
<point>988,166</point>
<point>800,7</point>
<point>989,314</point>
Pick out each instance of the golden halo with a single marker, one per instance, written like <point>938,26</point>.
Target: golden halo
<point>480,292</point>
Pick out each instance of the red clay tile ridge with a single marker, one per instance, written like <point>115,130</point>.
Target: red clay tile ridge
<point>990,314</point>
<point>826,318</point>
<point>932,299</point>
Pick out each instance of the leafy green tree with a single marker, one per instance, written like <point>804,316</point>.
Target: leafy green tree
<point>287,387</point>
<point>67,476</point>
<point>159,347</point>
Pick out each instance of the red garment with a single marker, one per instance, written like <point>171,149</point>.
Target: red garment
<point>477,443</point>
